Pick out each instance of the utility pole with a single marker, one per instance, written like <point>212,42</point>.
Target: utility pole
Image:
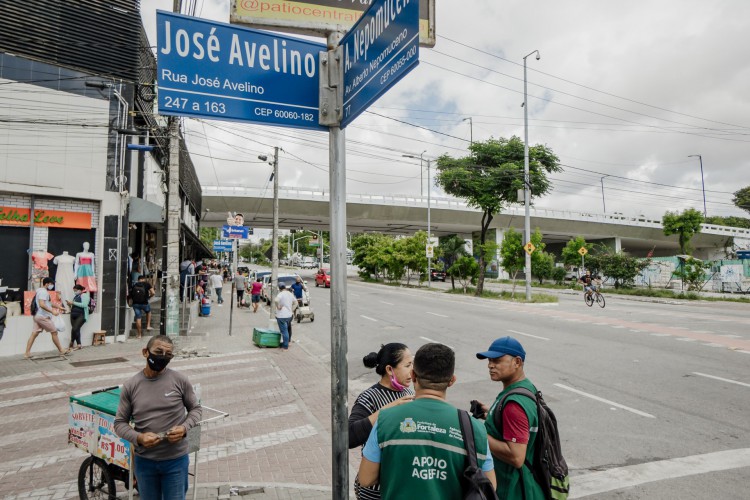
<point>172,323</point>
<point>527,178</point>
<point>275,246</point>
<point>429,241</point>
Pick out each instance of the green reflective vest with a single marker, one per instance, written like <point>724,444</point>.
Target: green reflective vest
<point>509,486</point>
<point>423,453</point>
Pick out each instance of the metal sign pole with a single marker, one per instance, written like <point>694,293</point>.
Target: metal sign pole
<point>339,367</point>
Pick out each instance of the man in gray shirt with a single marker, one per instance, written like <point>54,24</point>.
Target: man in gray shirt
<point>240,283</point>
<point>163,406</point>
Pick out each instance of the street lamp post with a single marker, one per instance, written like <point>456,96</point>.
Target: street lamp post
<point>471,129</point>
<point>275,246</point>
<point>429,259</point>
<point>703,184</point>
<point>604,205</point>
<point>526,179</point>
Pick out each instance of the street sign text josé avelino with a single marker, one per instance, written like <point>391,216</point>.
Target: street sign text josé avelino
<point>219,71</point>
<point>378,51</point>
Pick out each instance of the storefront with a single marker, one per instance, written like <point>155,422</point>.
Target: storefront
<point>61,241</point>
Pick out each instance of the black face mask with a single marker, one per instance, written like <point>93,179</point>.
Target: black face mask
<point>158,362</point>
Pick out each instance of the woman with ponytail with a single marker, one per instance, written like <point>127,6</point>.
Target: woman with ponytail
<point>393,362</point>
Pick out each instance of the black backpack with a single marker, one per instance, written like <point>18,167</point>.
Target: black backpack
<point>549,468</point>
<point>139,294</point>
<point>92,303</point>
<point>474,483</point>
<point>33,307</point>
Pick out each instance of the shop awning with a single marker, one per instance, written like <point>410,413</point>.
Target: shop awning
<point>194,246</point>
<point>145,211</point>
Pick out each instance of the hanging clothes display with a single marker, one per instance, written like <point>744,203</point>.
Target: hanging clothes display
<point>84,269</point>
<point>40,270</point>
<point>65,276</point>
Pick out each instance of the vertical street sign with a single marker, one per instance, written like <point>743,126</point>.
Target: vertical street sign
<point>216,70</point>
<point>377,52</point>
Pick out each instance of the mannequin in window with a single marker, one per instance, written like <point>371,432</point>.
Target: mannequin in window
<point>65,277</point>
<point>40,270</point>
<point>84,269</point>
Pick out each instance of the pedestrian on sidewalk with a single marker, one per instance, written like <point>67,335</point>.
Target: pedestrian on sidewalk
<point>257,287</point>
<point>217,283</point>
<point>393,362</point>
<point>140,295</point>
<point>299,289</point>
<point>285,304</point>
<point>79,314</point>
<point>163,407</point>
<point>240,283</point>
<point>43,319</point>
<point>416,450</point>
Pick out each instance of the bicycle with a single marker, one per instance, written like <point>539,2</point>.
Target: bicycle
<point>590,298</point>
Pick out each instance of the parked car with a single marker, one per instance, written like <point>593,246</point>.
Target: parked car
<point>323,278</point>
<point>307,263</point>
<point>437,275</point>
<point>287,279</point>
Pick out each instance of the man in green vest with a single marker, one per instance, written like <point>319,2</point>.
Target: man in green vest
<point>416,450</point>
<point>513,449</point>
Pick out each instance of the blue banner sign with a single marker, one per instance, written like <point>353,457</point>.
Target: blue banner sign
<point>223,245</point>
<point>743,254</point>
<point>234,232</point>
<point>378,51</point>
<point>207,69</point>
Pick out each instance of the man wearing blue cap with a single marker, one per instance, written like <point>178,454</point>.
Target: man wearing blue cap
<point>512,428</point>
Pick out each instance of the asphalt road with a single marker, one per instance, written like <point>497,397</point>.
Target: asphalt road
<point>652,399</point>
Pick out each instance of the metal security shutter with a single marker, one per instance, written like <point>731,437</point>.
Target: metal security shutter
<point>100,37</point>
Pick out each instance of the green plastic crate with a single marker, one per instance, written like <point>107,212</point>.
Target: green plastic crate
<point>266,338</point>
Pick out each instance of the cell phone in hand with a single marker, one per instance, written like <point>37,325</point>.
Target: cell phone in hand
<point>161,435</point>
<point>476,409</point>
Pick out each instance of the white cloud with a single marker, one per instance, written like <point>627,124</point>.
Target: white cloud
<point>690,58</point>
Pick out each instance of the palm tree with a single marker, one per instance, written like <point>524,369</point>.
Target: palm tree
<point>452,248</point>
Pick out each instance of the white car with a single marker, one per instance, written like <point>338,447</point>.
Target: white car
<point>287,279</point>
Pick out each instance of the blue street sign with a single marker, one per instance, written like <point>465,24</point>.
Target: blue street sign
<point>223,245</point>
<point>743,254</point>
<point>234,232</point>
<point>216,70</point>
<point>378,51</point>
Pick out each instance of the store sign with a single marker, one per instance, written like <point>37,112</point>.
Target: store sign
<point>11,216</point>
<point>317,17</point>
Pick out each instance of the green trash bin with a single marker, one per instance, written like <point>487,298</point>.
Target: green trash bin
<point>263,337</point>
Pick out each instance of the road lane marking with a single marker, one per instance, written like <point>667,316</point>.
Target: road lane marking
<point>436,314</point>
<point>437,342</point>
<point>685,339</point>
<point>367,317</point>
<point>387,303</point>
<point>660,334</point>
<point>636,331</point>
<point>528,335</point>
<point>617,326</point>
<point>713,345</point>
<point>612,403</point>
<point>722,379</point>
<point>596,483</point>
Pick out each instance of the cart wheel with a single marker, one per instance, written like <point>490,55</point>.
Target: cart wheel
<point>299,318</point>
<point>312,318</point>
<point>95,481</point>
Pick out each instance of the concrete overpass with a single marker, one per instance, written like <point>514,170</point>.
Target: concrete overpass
<point>400,214</point>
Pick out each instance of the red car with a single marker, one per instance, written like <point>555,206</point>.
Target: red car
<point>323,278</point>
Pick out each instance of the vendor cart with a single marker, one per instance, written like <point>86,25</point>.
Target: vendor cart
<point>91,428</point>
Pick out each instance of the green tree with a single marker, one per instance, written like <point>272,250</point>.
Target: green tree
<point>685,225</point>
<point>465,269</point>
<point>452,249</point>
<point>543,265</point>
<point>692,272</point>
<point>742,199</point>
<point>619,266</point>
<point>208,235</point>
<point>369,253</point>
<point>570,255</point>
<point>412,253</point>
<point>491,176</point>
<point>730,220</point>
<point>512,253</point>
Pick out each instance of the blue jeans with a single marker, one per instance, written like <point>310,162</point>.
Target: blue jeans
<point>218,295</point>
<point>162,480</point>
<point>285,327</point>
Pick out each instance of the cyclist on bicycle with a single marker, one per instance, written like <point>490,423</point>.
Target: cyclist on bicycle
<point>588,284</point>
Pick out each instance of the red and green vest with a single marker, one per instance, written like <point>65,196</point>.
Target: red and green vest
<point>509,478</point>
<point>423,453</point>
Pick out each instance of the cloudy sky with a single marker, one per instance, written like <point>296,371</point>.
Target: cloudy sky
<point>626,90</point>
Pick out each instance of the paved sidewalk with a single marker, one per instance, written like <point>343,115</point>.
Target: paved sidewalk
<point>275,444</point>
